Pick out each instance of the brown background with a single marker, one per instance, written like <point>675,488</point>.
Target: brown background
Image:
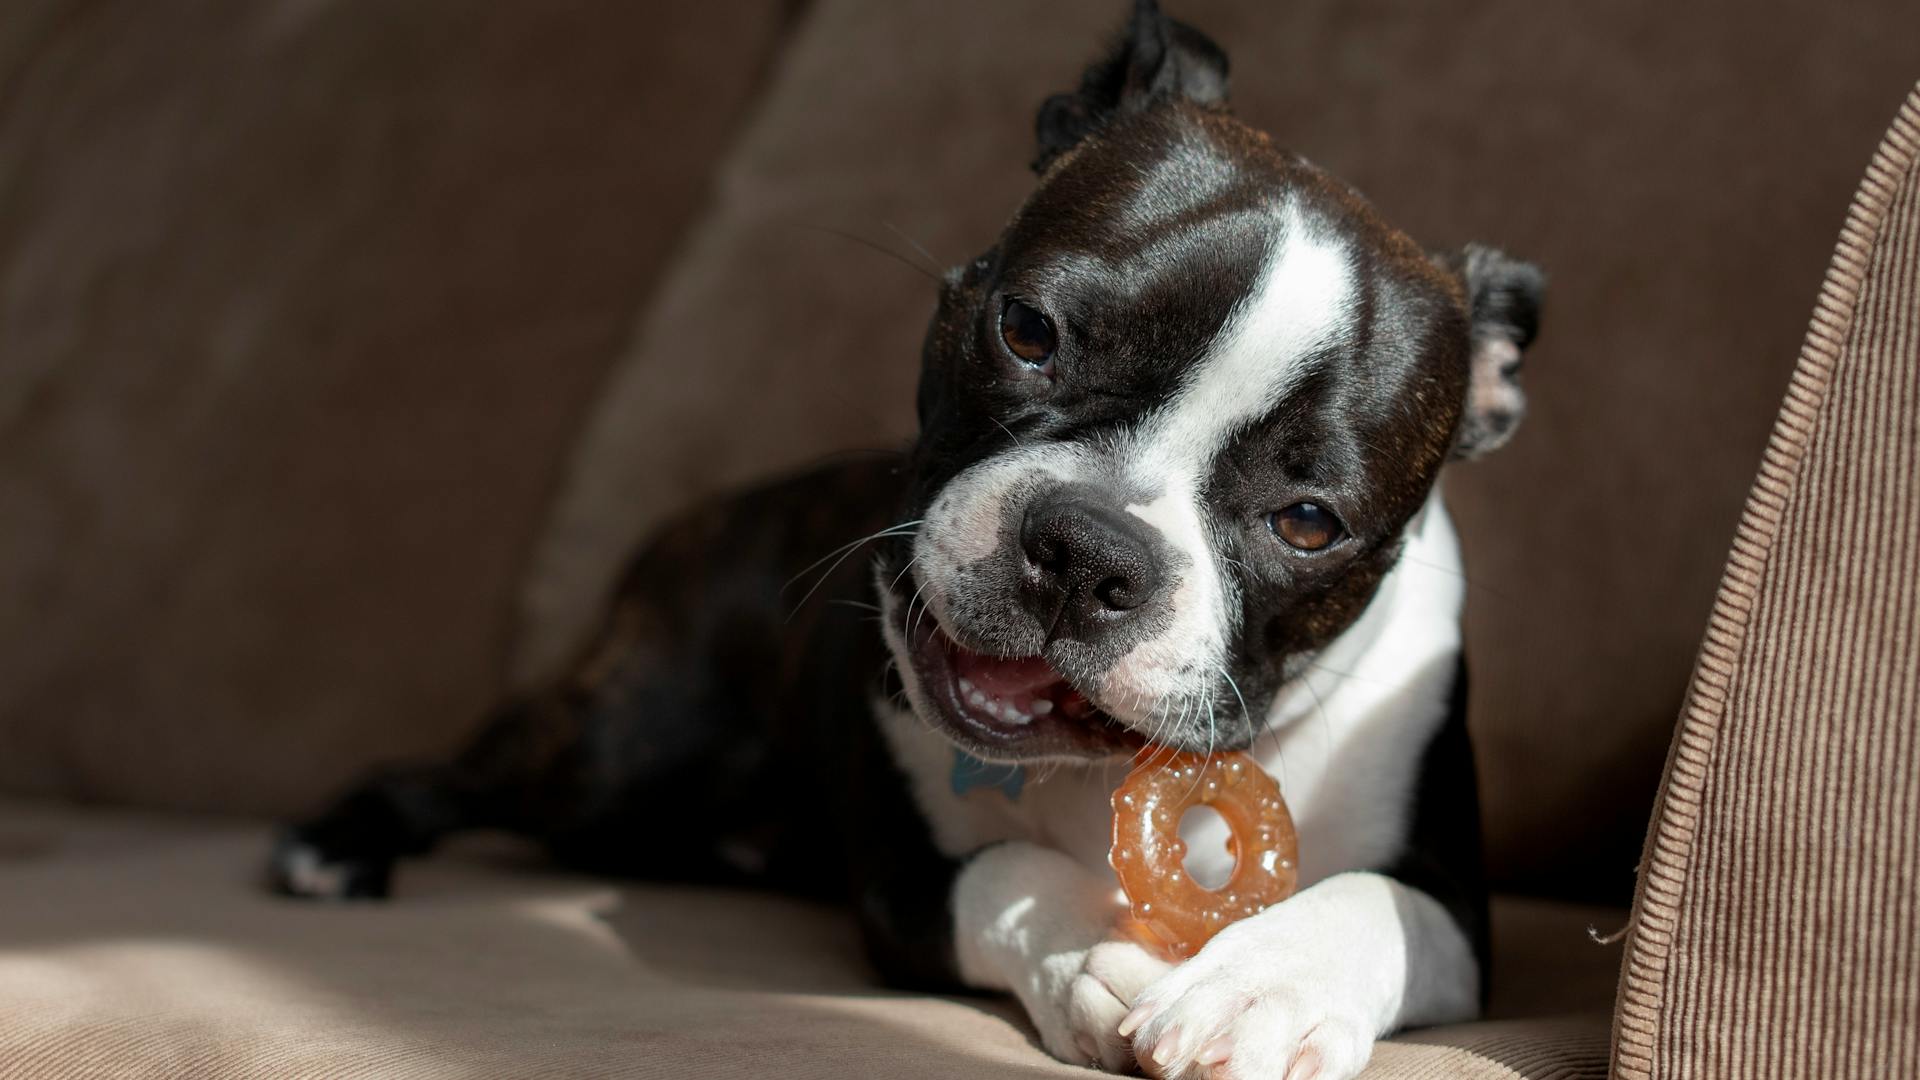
<point>344,346</point>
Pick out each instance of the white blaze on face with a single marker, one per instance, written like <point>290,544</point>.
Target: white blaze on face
<point>1302,301</point>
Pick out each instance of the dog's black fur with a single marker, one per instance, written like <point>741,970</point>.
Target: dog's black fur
<point>710,733</point>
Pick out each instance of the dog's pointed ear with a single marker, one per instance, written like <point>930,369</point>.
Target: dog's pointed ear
<point>1503,304</point>
<point>1154,58</point>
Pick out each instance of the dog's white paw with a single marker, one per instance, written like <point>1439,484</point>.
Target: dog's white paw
<point>1301,990</point>
<point>1097,987</point>
<point>1258,1003</point>
<point>1202,1022</point>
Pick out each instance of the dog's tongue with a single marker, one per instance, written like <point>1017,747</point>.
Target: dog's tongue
<point>999,677</point>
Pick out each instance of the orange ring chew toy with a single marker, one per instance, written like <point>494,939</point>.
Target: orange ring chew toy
<point>1171,911</point>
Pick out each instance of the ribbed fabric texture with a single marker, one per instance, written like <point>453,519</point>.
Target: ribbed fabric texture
<point>1776,931</point>
<point>1553,1048</point>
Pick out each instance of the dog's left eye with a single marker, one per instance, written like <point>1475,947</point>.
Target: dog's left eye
<point>1029,335</point>
<point>1306,526</point>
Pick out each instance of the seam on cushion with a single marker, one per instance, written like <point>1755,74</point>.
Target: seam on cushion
<point>1667,855</point>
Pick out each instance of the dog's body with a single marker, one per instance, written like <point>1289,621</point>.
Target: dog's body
<point>1176,482</point>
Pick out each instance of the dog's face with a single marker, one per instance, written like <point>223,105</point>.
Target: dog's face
<point>1176,422</point>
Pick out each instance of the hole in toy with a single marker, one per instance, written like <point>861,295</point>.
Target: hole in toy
<point>1205,831</point>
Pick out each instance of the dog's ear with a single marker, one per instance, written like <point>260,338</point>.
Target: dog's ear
<point>1154,58</point>
<point>1503,304</point>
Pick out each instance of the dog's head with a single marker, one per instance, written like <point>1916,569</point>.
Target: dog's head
<point>1175,423</point>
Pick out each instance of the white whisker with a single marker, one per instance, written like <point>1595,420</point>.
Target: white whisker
<point>844,552</point>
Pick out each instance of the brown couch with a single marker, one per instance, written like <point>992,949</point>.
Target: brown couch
<point>344,347</point>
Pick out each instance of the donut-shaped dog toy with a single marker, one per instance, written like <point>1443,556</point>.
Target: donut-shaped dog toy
<point>1171,911</point>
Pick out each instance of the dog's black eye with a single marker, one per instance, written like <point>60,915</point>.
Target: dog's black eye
<point>1028,334</point>
<point>1307,526</point>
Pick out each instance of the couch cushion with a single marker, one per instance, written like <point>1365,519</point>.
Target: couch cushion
<point>1677,168</point>
<point>144,947</point>
<point>299,306</point>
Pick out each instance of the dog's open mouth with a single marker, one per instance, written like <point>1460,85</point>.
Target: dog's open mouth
<point>1010,708</point>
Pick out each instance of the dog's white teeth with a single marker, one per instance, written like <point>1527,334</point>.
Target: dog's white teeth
<point>1022,711</point>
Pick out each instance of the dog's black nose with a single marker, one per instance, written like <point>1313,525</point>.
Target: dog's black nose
<point>1088,565</point>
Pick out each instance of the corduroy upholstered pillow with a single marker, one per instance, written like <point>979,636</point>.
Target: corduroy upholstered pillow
<point>1777,928</point>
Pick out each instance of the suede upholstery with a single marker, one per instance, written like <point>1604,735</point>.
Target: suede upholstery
<point>301,306</point>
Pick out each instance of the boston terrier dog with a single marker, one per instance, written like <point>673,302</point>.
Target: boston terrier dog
<point>1175,485</point>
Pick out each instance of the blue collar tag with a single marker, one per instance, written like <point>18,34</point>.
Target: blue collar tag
<point>970,772</point>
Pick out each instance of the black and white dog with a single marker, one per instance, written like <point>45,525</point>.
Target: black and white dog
<point>1176,483</point>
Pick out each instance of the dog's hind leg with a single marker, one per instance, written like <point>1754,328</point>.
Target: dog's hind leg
<point>673,746</point>
<point>642,734</point>
<point>499,781</point>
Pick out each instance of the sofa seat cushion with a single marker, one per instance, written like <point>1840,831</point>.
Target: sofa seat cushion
<point>145,946</point>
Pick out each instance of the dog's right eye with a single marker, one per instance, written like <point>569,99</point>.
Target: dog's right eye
<point>1028,334</point>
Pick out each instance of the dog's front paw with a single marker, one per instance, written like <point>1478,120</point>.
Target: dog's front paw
<point>1092,991</point>
<point>1235,1014</point>
<point>1302,989</point>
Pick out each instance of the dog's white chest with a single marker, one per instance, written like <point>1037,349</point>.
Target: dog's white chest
<point>1064,807</point>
